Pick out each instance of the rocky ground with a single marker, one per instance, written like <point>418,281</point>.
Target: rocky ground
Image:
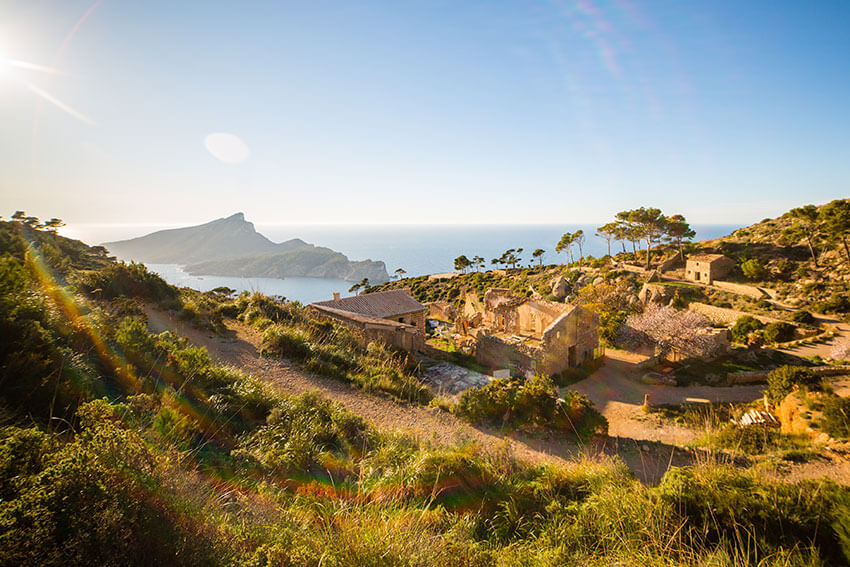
<point>450,379</point>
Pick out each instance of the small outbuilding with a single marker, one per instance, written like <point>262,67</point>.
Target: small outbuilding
<point>393,317</point>
<point>705,268</point>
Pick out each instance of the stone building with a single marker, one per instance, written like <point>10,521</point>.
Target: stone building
<point>392,317</point>
<point>531,335</point>
<point>705,268</point>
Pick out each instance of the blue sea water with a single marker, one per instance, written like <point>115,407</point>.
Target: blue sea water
<point>417,249</point>
<point>305,290</point>
<point>428,249</point>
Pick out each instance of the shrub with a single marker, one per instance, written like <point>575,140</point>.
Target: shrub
<point>836,417</point>
<point>779,332</point>
<point>803,317</point>
<point>743,327</point>
<point>837,303</point>
<point>128,280</point>
<point>756,439</point>
<point>753,269</point>
<point>781,382</point>
<point>530,403</point>
<point>728,505</point>
<point>287,342</point>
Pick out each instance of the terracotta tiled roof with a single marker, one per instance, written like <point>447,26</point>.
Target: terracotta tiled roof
<point>381,304</point>
<point>707,257</point>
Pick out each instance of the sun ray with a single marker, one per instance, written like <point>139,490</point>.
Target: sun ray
<point>35,67</point>
<point>58,103</point>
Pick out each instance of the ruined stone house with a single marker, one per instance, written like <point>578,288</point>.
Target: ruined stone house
<point>393,317</point>
<point>705,268</point>
<point>531,334</point>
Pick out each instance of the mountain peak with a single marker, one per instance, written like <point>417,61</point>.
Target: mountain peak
<point>236,217</point>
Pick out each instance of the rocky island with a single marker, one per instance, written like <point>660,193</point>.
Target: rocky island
<point>231,246</point>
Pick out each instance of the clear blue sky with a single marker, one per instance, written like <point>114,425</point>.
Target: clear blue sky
<point>426,111</point>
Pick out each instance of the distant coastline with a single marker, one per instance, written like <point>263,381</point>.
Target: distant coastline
<point>417,249</point>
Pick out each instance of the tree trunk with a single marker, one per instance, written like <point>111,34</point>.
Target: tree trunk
<point>609,246</point>
<point>648,251</point>
<point>846,249</point>
<point>812,250</point>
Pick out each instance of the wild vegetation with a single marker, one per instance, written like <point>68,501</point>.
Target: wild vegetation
<point>125,447</point>
<point>531,404</point>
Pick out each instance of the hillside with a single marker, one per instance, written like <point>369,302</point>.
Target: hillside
<point>232,247</point>
<point>802,255</point>
<point>120,446</point>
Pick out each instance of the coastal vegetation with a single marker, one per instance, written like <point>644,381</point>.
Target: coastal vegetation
<point>122,446</point>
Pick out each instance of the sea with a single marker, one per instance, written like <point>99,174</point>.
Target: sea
<point>416,249</point>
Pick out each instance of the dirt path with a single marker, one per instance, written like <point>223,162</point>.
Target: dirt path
<point>240,349</point>
<point>823,350</point>
<point>618,394</point>
<point>649,449</point>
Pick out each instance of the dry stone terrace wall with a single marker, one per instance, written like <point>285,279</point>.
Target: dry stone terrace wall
<point>761,375</point>
<point>726,316</point>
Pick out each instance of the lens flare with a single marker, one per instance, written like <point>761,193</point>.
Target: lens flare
<point>227,148</point>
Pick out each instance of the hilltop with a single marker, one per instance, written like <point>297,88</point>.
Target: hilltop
<point>801,254</point>
<point>231,246</point>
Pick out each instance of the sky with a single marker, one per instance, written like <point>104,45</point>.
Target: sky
<point>163,112</point>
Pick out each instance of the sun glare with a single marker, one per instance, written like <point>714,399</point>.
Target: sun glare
<point>4,61</point>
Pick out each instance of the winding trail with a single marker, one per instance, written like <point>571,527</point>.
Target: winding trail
<point>241,349</point>
<point>647,446</point>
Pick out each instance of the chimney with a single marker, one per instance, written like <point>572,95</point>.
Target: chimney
<point>336,296</point>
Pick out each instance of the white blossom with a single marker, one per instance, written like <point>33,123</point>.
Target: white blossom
<point>685,333</point>
<point>841,350</point>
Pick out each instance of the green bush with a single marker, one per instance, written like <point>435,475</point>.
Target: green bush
<point>725,504</point>
<point>753,269</point>
<point>836,417</point>
<point>781,382</point>
<point>530,403</point>
<point>128,280</point>
<point>756,439</point>
<point>287,342</point>
<point>743,327</point>
<point>803,317</point>
<point>101,499</point>
<point>779,332</point>
<point>836,303</point>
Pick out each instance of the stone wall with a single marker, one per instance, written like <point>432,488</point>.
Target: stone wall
<point>725,316</point>
<point>761,375</point>
<point>407,338</point>
<point>570,341</point>
<point>442,310</point>
<point>670,263</point>
<point>496,354</point>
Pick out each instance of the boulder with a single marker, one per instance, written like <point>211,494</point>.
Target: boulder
<point>655,293</point>
<point>599,281</point>
<point>560,287</point>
